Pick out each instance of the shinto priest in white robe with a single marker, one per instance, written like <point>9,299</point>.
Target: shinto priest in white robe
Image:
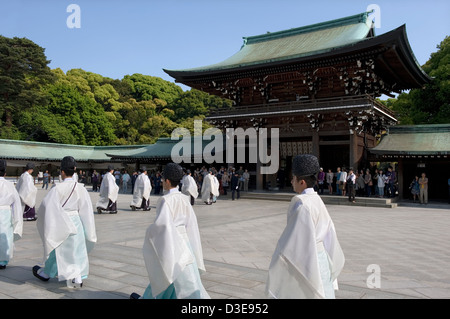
<point>209,187</point>
<point>26,189</point>
<point>142,189</point>
<point>66,226</point>
<point>173,251</point>
<point>308,257</point>
<point>108,191</point>
<point>11,220</point>
<point>189,186</point>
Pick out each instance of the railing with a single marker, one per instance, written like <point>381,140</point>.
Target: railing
<point>300,106</point>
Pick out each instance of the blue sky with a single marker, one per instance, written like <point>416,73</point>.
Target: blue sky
<point>117,38</point>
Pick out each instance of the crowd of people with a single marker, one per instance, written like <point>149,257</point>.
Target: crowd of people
<point>362,183</point>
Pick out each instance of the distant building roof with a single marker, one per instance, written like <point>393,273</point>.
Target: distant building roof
<point>162,150</point>
<point>52,152</point>
<point>415,140</point>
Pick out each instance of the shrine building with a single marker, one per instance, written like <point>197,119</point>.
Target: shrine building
<point>318,84</point>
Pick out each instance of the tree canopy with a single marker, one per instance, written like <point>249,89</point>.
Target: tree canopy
<point>85,108</point>
<point>430,105</point>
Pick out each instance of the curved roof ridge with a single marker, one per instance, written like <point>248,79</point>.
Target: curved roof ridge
<point>354,19</point>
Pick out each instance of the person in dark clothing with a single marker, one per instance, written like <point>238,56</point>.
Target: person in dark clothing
<point>235,185</point>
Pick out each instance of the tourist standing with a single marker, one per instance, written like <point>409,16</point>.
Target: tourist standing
<point>423,190</point>
<point>415,188</point>
<point>351,181</point>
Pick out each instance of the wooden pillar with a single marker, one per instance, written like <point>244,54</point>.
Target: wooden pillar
<point>353,160</point>
<point>315,144</point>
<point>259,176</point>
<point>399,171</point>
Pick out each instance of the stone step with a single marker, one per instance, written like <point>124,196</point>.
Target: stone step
<point>327,199</point>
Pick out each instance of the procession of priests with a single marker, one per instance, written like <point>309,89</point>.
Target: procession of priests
<point>305,263</point>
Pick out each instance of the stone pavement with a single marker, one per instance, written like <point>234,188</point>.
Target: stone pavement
<point>409,244</point>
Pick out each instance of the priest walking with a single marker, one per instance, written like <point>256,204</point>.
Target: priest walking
<point>189,187</point>
<point>172,246</point>
<point>308,257</point>
<point>66,226</point>
<point>209,188</point>
<point>141,192</point>
<point>109,191</point>
<point>11,217</point>
<point>27,192</point>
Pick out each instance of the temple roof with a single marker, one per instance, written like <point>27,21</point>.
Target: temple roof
<point>298,42</point>
<point>333,40</point>
<point>415,140</point>
<point>162,150</point>
<point>39,151</point>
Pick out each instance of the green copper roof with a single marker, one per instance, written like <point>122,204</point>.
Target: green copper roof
<point>162,149</point>
<point>294,43</point>
<point>38,151</point>
<point>415,140</point>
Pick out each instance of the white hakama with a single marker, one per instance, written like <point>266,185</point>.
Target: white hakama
<point>173,252</point>
<point>67,228</point>
<point>141,192</point>
<point>11,220</point>
<point>308,257</point>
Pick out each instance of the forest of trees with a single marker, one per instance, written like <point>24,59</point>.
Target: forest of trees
<point>80,107</point>
<point>85,108</point>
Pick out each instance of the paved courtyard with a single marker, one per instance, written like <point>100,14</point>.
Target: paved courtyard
<point>409,246</point>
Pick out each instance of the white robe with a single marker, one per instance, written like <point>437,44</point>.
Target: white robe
<point>108,191</point>
<point>189,186</point>
<point>61,210</point>
<point>171,244</point>
<point>142,189</point>
<point>27,190</point>
<point>208,187</point>
<point>11,219</point>
<point>295,271</point>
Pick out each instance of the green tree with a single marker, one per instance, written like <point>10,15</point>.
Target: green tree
<point>23,71</point>
<point>70,118</point>
<point>196,103</point>
<point>145,87</point>
<point>430,105</point>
